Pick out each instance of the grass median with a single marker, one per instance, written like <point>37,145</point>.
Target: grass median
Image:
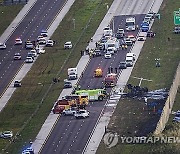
<point>129,116</point>
<point>8,13</point>
<point>26,111</point>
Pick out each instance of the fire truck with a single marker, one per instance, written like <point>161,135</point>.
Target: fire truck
<point>78,101</point>
<point>98,72</point>
<point>93,94</point>
<point>110,80</point>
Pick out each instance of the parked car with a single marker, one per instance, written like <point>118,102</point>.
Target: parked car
<point>122,65</point>
<point>29,45</point>
<point>17,83</point>
<point>44,33</point>
<point>81,114</point>
<point>50,43</point>
<point>107,56</point>
<point>29,60</point>
<point>176,30</point>
<point>68,45</point>
<point>67,84</point>
<point>40,51</point>
<point>150,34</point>
<point>34,53</point>
<point>6,134</point>
<point>70,111</point>
<point>176,119</point>
<point>42,41</point>
<point>18,41</point>
<point>141,38</point>
<point>2,46</point>
<point>17,56</point>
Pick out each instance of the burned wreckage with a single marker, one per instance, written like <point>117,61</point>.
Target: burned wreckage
<point>143,92</point>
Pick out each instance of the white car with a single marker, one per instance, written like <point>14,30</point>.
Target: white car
<point>29,59</point>
<point>29,45</point>
<point>44,33</point>
<point>18,41</point>
<point>69,111</point>
<point>68,45</point>
<point>2,46</point>
<point>107,56</point>
<point>40,50</point>
<point>49,43</point>
<point>17,56</point>
<point>81,114</point>
<point>141,38</point>
<point>42,41</point>
<point>7,134</point>
<point>33,51</point>
<point>132,38</point>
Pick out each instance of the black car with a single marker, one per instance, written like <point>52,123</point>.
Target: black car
<point>97,53</point>
<point>17,83</point>
<point>150,34</point>
<point>122,65</point>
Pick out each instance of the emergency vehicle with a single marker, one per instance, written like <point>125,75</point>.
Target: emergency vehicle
<point>93,94</point>
<point>79,101</point>
<point>98,72</point>
<point>110,80</point>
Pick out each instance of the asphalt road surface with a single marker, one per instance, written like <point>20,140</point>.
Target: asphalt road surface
<point>39,18</point>
<point>70,135</point>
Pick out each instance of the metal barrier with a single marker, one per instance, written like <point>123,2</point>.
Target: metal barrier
<point>169,103</point>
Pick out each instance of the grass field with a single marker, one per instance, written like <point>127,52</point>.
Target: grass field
<point>129,116</point>
<point>8,13</point>
<point>26,112</point>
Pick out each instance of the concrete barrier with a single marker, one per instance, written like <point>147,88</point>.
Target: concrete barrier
<point>169,103</point>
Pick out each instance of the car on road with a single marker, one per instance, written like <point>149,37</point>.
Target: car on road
<point>29,59</point>
<point>122,65</point>
<point>132,38</point>
<point>29,45</point>
<point>17,83</point>
<point>49,43</point>
<point>18,41</point>
<point>141,38</point>
<point>107,55</point>
<point>17,56</point>
<point>67,84</point>
<point>68,45</point>
<point>70,111</point>
<point>42,41</point>
<point>33,52</point>
<point>6,134</point>
<point>81,114</point>
<point>44,33</point>
<point>2,46</point>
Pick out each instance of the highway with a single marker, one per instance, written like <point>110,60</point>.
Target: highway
<point>69,136</point>
<point>38,18</point>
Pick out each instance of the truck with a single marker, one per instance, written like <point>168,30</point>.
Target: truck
<point>130,24</point>
<point>112,43</point>
<point>93,94</point>
<point>72,73</point>
<point>110,80</point>
<point>70,101</point>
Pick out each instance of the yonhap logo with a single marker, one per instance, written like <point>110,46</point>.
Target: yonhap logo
<point>110,139</point>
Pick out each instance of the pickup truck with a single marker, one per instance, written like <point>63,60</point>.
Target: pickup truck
<point>81,114</point>
<point>69,111</point>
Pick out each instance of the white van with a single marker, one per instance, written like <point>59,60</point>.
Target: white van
<point>129,61</point>
<point>131,55</point>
